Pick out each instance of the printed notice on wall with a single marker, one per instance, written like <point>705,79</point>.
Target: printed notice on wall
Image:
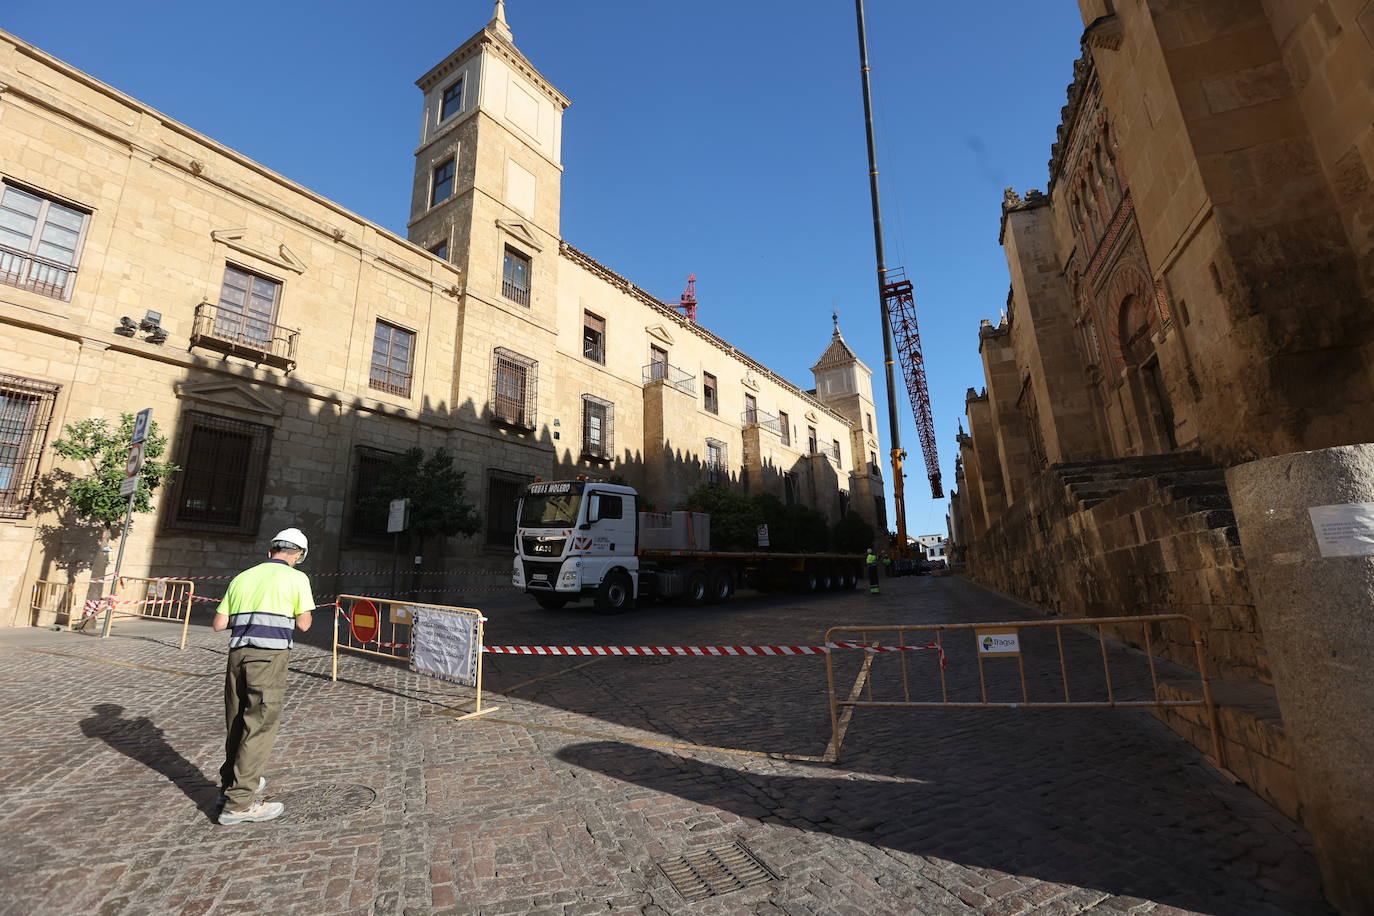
<point>445,645</point>
<point>1344,531</point>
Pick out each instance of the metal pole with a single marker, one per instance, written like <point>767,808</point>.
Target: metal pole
<point>898,495</point>
<point>119,561</point>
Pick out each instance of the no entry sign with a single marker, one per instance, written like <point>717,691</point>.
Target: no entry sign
<point>363,621</point>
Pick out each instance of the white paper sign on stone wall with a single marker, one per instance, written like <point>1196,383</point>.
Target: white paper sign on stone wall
<point>1344,531</point>
<point>445,644</point>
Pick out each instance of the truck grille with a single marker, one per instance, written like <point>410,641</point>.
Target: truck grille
<point>534,546</point>
<point>534,569</point>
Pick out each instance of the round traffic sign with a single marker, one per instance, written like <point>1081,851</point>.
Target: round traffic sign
<point>363,621</point>
<point>135,462</point>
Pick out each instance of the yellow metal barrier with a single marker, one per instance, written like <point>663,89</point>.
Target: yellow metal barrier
<point>994,641</point>
<point>384,628</point>
<point>56,598</point>
<point>137,596</point>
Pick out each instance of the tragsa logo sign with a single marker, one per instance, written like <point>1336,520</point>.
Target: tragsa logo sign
<point>1006,643</point>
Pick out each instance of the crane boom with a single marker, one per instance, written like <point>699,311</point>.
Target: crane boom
<point>901,308</point>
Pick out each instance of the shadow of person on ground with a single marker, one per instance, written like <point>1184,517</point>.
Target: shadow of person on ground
<point>142,741</point>
<point>1061,829</point>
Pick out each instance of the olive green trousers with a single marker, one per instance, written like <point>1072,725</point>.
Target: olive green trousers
<point>254,686</point>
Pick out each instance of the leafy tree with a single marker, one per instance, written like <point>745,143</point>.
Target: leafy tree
<point>734,517</point>
<point>105,449</point>
<point>435,490</point>
<point>852,534</point>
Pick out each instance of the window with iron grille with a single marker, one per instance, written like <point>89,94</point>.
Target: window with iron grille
<point>708,390</point>
<point>785,428</point>
<point>40,242</point>
<point>26,407</point>
<point>598,427</point>
<point>514,388</point>
<point>393,352</point>
<point>515,277</point>
<point>247,307</point>
<point>441,187</point>
<point>503,490</point>
<point>715,462</point>
<point>224,465</point>
<point>369,515</point>
<point>452,100</point>
<point>594,337</point>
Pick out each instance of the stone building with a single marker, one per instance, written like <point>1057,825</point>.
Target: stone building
<point>1191,292</point>
<point>289,347</point>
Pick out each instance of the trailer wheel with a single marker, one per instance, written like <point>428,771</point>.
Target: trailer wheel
<point>722,585</point>
<point>695,586</point>
<point>807,580</point>
<point>848,578</point>
<point>616,593</point>
<point>550,602</point>
<point>825,579</point>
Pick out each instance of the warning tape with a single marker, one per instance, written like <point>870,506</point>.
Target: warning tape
<point>757,651</point>
<point>322,575</point>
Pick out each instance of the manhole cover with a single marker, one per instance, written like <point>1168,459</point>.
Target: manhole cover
<point>715,871</point>
<point>320,803</point>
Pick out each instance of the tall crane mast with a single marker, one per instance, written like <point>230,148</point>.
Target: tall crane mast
<point>687,302</point>
<point>898,311</point>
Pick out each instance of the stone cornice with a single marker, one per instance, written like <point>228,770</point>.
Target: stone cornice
<point>1083,72</point>
<point>490,40</point>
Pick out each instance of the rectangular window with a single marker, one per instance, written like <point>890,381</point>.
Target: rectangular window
<point>870,421</point>
<point>440,250</point>
<point>835,450</point>
<point>369,515</point>
<point>393,351</point>
<point>503,491</point>
<point>598,420</point>
<point>751,410</point>
<point>441,188</point>
<point>880,514</point>
<point>811,440</point>
<point>873,464</point>
<point>789,488</point>
<point>452,100</point>
<point>515,277</point>
<point>785,428</point>
<point>26,407</point>
<point>708,390</point>
<point>223,463</point>
<point>40,242</point>
<point>715,462</point>
<point>515,384</point>
<point>247,311</point>
<point>594,337</point>
<point>658,363</point>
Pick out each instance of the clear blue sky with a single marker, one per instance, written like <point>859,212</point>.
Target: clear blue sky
<point>716,137</point>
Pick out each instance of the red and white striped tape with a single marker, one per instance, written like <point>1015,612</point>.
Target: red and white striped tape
<point>757,651</point>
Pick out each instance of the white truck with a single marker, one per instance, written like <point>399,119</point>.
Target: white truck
<point>580,539</point>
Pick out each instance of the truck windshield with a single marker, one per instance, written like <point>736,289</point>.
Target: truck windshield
<point>551,505</point>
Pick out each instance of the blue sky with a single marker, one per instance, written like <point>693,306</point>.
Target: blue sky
<point>718,138</point>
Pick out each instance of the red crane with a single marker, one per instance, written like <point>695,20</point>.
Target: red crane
<point>901,309</point>
<point>687,302</point>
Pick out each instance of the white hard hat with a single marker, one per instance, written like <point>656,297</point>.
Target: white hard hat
<point>294,537</point>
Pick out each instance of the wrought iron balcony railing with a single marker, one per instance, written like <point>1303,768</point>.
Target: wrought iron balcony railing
<point>245,336</point>
<point>671,375</point>
<point>515,293</point>
<point>28,271</point>
<point>761,418</point>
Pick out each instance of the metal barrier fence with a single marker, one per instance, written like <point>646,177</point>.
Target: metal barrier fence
<point>56,598</point>
<point>994,642</point>
<point>385,628</point>
<point>137,596</point>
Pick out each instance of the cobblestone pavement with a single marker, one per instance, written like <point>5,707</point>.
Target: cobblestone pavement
<point>595,771</point>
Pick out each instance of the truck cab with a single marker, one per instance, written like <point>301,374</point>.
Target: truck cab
<point>576,539</point>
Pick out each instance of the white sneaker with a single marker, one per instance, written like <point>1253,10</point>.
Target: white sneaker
<point>262,786</point>
<point>255,813</point>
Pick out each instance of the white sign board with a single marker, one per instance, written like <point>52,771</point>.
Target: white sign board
<point>1344,531</point>
<point>763,535</point>
<point>398,516</point>
<point>998,641</point>
<point>129,485</point>
<point>141,424</point>
<point>444,644</point>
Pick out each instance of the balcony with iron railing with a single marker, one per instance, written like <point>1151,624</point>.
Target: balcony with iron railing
<point>515,293</point>
<point>594,351</point>
<point>762,419</point>
<point>42,276</point>
<point>670,375</point>
<point>245,336</point>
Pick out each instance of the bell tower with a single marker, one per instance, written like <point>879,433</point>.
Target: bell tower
<point>488,170</point>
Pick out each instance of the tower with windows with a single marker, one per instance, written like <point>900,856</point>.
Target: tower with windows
<point>845,385</point>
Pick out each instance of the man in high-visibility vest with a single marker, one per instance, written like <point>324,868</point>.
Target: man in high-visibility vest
<point>260,609</point>
<point>872,561</point>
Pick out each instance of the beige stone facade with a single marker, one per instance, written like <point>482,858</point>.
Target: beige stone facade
<point>300,343</point>
<point>1191,292</point>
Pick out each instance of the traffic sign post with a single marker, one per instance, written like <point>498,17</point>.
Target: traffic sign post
<point>129,488</point>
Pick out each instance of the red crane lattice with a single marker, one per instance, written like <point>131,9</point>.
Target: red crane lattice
<point>688,301</point>
<point>901,310</point>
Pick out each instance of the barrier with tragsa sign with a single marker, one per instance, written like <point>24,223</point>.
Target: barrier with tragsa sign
<point>436,640</point>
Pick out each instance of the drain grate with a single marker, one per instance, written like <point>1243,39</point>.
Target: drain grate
<point>321,803</point>
<point>715,871</point>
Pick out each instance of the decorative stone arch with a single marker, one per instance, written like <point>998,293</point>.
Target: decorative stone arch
<point>1131,300</point>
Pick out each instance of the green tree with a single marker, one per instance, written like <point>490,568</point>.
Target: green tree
<point>435,490</point>
<point>734,517</point>
<point>105,450</point>
<point>852,534</point>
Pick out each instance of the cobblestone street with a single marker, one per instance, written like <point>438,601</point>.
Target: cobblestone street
<point>594,773</point>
